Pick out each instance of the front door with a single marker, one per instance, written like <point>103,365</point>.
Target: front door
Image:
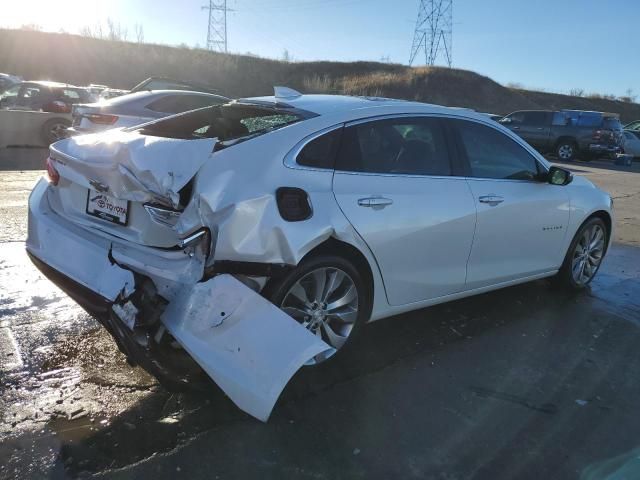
<point>394,182</point>
<point>522,220</point>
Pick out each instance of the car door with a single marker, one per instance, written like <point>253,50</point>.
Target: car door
<point>535,128</point>
<point>631,144</point>
<point>395,183</point>
<point>522,220</point>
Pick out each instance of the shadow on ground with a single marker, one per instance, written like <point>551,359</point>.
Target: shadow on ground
<point>527,382</point>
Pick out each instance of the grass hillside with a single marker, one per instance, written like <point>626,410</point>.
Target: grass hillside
<point>79,60</point>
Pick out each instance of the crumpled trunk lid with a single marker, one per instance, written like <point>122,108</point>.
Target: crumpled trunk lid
<point>129,172</point>
<point>132,166</point>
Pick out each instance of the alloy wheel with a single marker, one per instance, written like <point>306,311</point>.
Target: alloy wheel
<point>325,302</point>
<point>565,152</point>
<point>57,131</point>
<point>588,254</point>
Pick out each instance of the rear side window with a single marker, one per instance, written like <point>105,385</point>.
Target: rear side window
<point>181,103</point>
<point>412,146</point>
<point>321,152</point>
<point>492,154</point>
<point>560,119</point>
<point>587,120</point>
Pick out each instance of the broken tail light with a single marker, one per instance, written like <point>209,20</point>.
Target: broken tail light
<point>52,174</point>
<point>162,215</point>
<point>101,118</point>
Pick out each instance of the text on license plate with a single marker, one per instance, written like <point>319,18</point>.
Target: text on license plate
<point>108,208</point>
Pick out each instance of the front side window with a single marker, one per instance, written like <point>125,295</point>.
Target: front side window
<point>516,118</point>
<point>560,119</point>
<point>492,154</point>
<point>413,146</point>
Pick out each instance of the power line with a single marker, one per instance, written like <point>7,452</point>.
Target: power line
<point>217,26</point>
<point>433,32</point>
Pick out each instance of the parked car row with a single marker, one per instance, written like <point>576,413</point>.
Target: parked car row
<point>98,107</point>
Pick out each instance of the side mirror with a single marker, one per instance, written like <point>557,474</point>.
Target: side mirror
<point>559,176</point>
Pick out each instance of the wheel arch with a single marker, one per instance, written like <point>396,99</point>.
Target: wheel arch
<point>565,138</point>
<point>346,250</point>
<point>608,222</point>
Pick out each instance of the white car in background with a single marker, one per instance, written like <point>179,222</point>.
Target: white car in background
<point>138,108</point>
<point>260,235</point>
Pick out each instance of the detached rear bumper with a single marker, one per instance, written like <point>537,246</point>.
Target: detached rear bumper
<point>247,345</point>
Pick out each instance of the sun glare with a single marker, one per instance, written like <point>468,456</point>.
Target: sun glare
<point>67,15</point>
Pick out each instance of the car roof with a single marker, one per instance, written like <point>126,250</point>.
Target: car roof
<point>321,104</point>
<point>47,83</point>
<point>152,94</point>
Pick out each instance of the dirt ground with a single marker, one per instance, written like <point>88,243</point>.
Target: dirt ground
<point>526,382</point>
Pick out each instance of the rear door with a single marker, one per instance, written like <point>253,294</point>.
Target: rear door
<point>521,221</point>
<point>396,184</point>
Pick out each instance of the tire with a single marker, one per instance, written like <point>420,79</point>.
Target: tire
<point>566,150</point>
<point>54,130</point>
<point>336,326</point>
<point>567,277</point>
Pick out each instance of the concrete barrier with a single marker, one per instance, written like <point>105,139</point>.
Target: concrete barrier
<point>23,158</point>
<point>21,128</point>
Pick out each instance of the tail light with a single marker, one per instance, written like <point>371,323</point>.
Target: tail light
<point>52,174</point>
<point>101,118</point>
<point>57,107</point>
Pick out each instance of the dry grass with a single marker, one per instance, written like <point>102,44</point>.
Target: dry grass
<point>80,60</point>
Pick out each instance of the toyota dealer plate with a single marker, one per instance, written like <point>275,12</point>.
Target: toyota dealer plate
<point>108,208</point>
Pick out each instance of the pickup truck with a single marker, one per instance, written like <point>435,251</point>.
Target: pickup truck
<point>568,133</point>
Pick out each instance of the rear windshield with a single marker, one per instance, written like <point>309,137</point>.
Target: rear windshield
<point>229,123</point>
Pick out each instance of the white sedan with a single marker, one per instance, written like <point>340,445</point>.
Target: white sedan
<point>260,235</point>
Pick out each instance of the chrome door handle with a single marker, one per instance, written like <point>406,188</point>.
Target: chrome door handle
<point>374,202</point>
<point>491,200</point>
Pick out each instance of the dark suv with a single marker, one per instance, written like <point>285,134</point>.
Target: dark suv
<point>568,133</point>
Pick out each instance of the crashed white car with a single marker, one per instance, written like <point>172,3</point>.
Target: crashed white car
<point>258,236</point>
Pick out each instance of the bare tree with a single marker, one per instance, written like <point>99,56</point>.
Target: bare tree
<point>116,31</point>
<point>139,32</point>
<point>576,92</point>
<point>286,56</point>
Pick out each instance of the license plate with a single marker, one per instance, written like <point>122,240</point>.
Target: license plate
<point>108,208</point>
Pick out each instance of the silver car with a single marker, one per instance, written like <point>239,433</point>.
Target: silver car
<point>138,108</point>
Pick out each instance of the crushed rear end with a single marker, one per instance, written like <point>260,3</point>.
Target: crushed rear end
<point>122,226</point>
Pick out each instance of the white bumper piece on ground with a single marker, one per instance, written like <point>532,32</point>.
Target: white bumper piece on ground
<point>247,345</point>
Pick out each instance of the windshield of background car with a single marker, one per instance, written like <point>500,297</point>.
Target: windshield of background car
<point>227,122</point>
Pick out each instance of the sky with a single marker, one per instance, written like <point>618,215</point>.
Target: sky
<point>554,45</point>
